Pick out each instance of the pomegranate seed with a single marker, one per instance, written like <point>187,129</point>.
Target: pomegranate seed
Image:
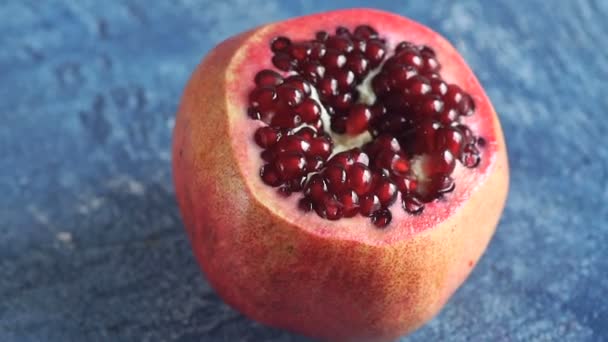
<point>312,71</point>
<point>296,184</point>
<point>327,87</point>
<point>328,207</point>
<point>447,116</point>
<point>336,178</point>
<point>267,155</point>
<point>451,139</point>
<point>309,110</point>
<point>292,143</point>
<point>290,95</point>
<point>453,96</point>
<point>400,74</point>
<point>280,44</point>
<point>270,176</point>
<point>350,203</point>
<point>382,218</point>
<point>381,84</point>
<point>343,101</point>
<point>286,121</point>
<point>340,43</point>
<point>358,119</point>
<point>317,50</point>
<point>431,106</point>
<point>266,136</point>
<point>409,58</point>
<point>305,204</point>
<point>400,166</point>
<point>365,32</point>
<point>419,86</point>
<point>357,64</point>
<point>316,187</point>
<point>369,204</point>
<point>360,178</point>
<point>412,205</point>
<point>386,191</point>
<point>345,78</point>
<point>320,147</point>
<point>299,51</point>
<point>439,87</point>
<point>375,51</point>
<point>314,164</point>
<point>268,78</point>
<point>342,31</point>
<point>333,60</point>
<point>466,106</point>
<point>263,97</point>
<point>430,65</point>
<point>307,133</point>
<point>284,62</point>
<point>405,46</point>
<point>442,163</point>
<point>407,185</point>
<point>321,36</point>
<point>290,166</point>
<point>284,191</point>
<point>443,184</point>
<point>299,83</point>
<point>470,156</point>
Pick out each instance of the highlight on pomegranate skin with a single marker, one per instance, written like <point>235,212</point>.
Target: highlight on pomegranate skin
<point>351,126</point>
<point>340,174</point>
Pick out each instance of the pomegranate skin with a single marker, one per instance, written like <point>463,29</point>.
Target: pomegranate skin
<point>280,271</point>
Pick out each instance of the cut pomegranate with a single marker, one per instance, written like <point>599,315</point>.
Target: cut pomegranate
<point>338,173</point>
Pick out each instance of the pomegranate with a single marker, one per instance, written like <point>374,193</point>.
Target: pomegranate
<point>339,174</point>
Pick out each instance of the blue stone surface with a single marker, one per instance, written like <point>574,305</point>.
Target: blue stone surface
<point>92,247</point>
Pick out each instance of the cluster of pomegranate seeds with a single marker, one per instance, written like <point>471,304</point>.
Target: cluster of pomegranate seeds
<point>414,119</point>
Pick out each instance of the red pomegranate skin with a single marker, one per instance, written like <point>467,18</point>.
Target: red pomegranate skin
<point>339,280</point>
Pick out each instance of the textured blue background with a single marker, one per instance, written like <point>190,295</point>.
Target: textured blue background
<point>92,247</point>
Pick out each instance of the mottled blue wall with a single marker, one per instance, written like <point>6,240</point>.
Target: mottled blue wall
<point>92,247</point>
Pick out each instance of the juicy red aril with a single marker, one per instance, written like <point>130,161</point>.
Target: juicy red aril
<point>316,187</point>
<point>283,62</point>
<point>268,78</point>
<point>382,218</point>
<point>290,95</point>
<point>365,32</point>
<point>350,203</point>
<point>292,143</point>
<point>358,119</point>
<point>262,97</point>
<point>266,136</point>
<point>369,204</point>
<point>320,147</point>
<point>336,177</point>
<point>299,83</point>
<point>280,44</point>
<point>309,110</point>
<point>415,118</point>
<point>290,166</point>
<point>328,207</point>
<point>270,176</point>
<point>360,178</point>
<point>386,191</point>
<point>307,133</point>
<point>412,205</point>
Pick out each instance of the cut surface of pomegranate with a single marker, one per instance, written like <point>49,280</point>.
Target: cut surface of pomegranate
<point>346,166</point>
